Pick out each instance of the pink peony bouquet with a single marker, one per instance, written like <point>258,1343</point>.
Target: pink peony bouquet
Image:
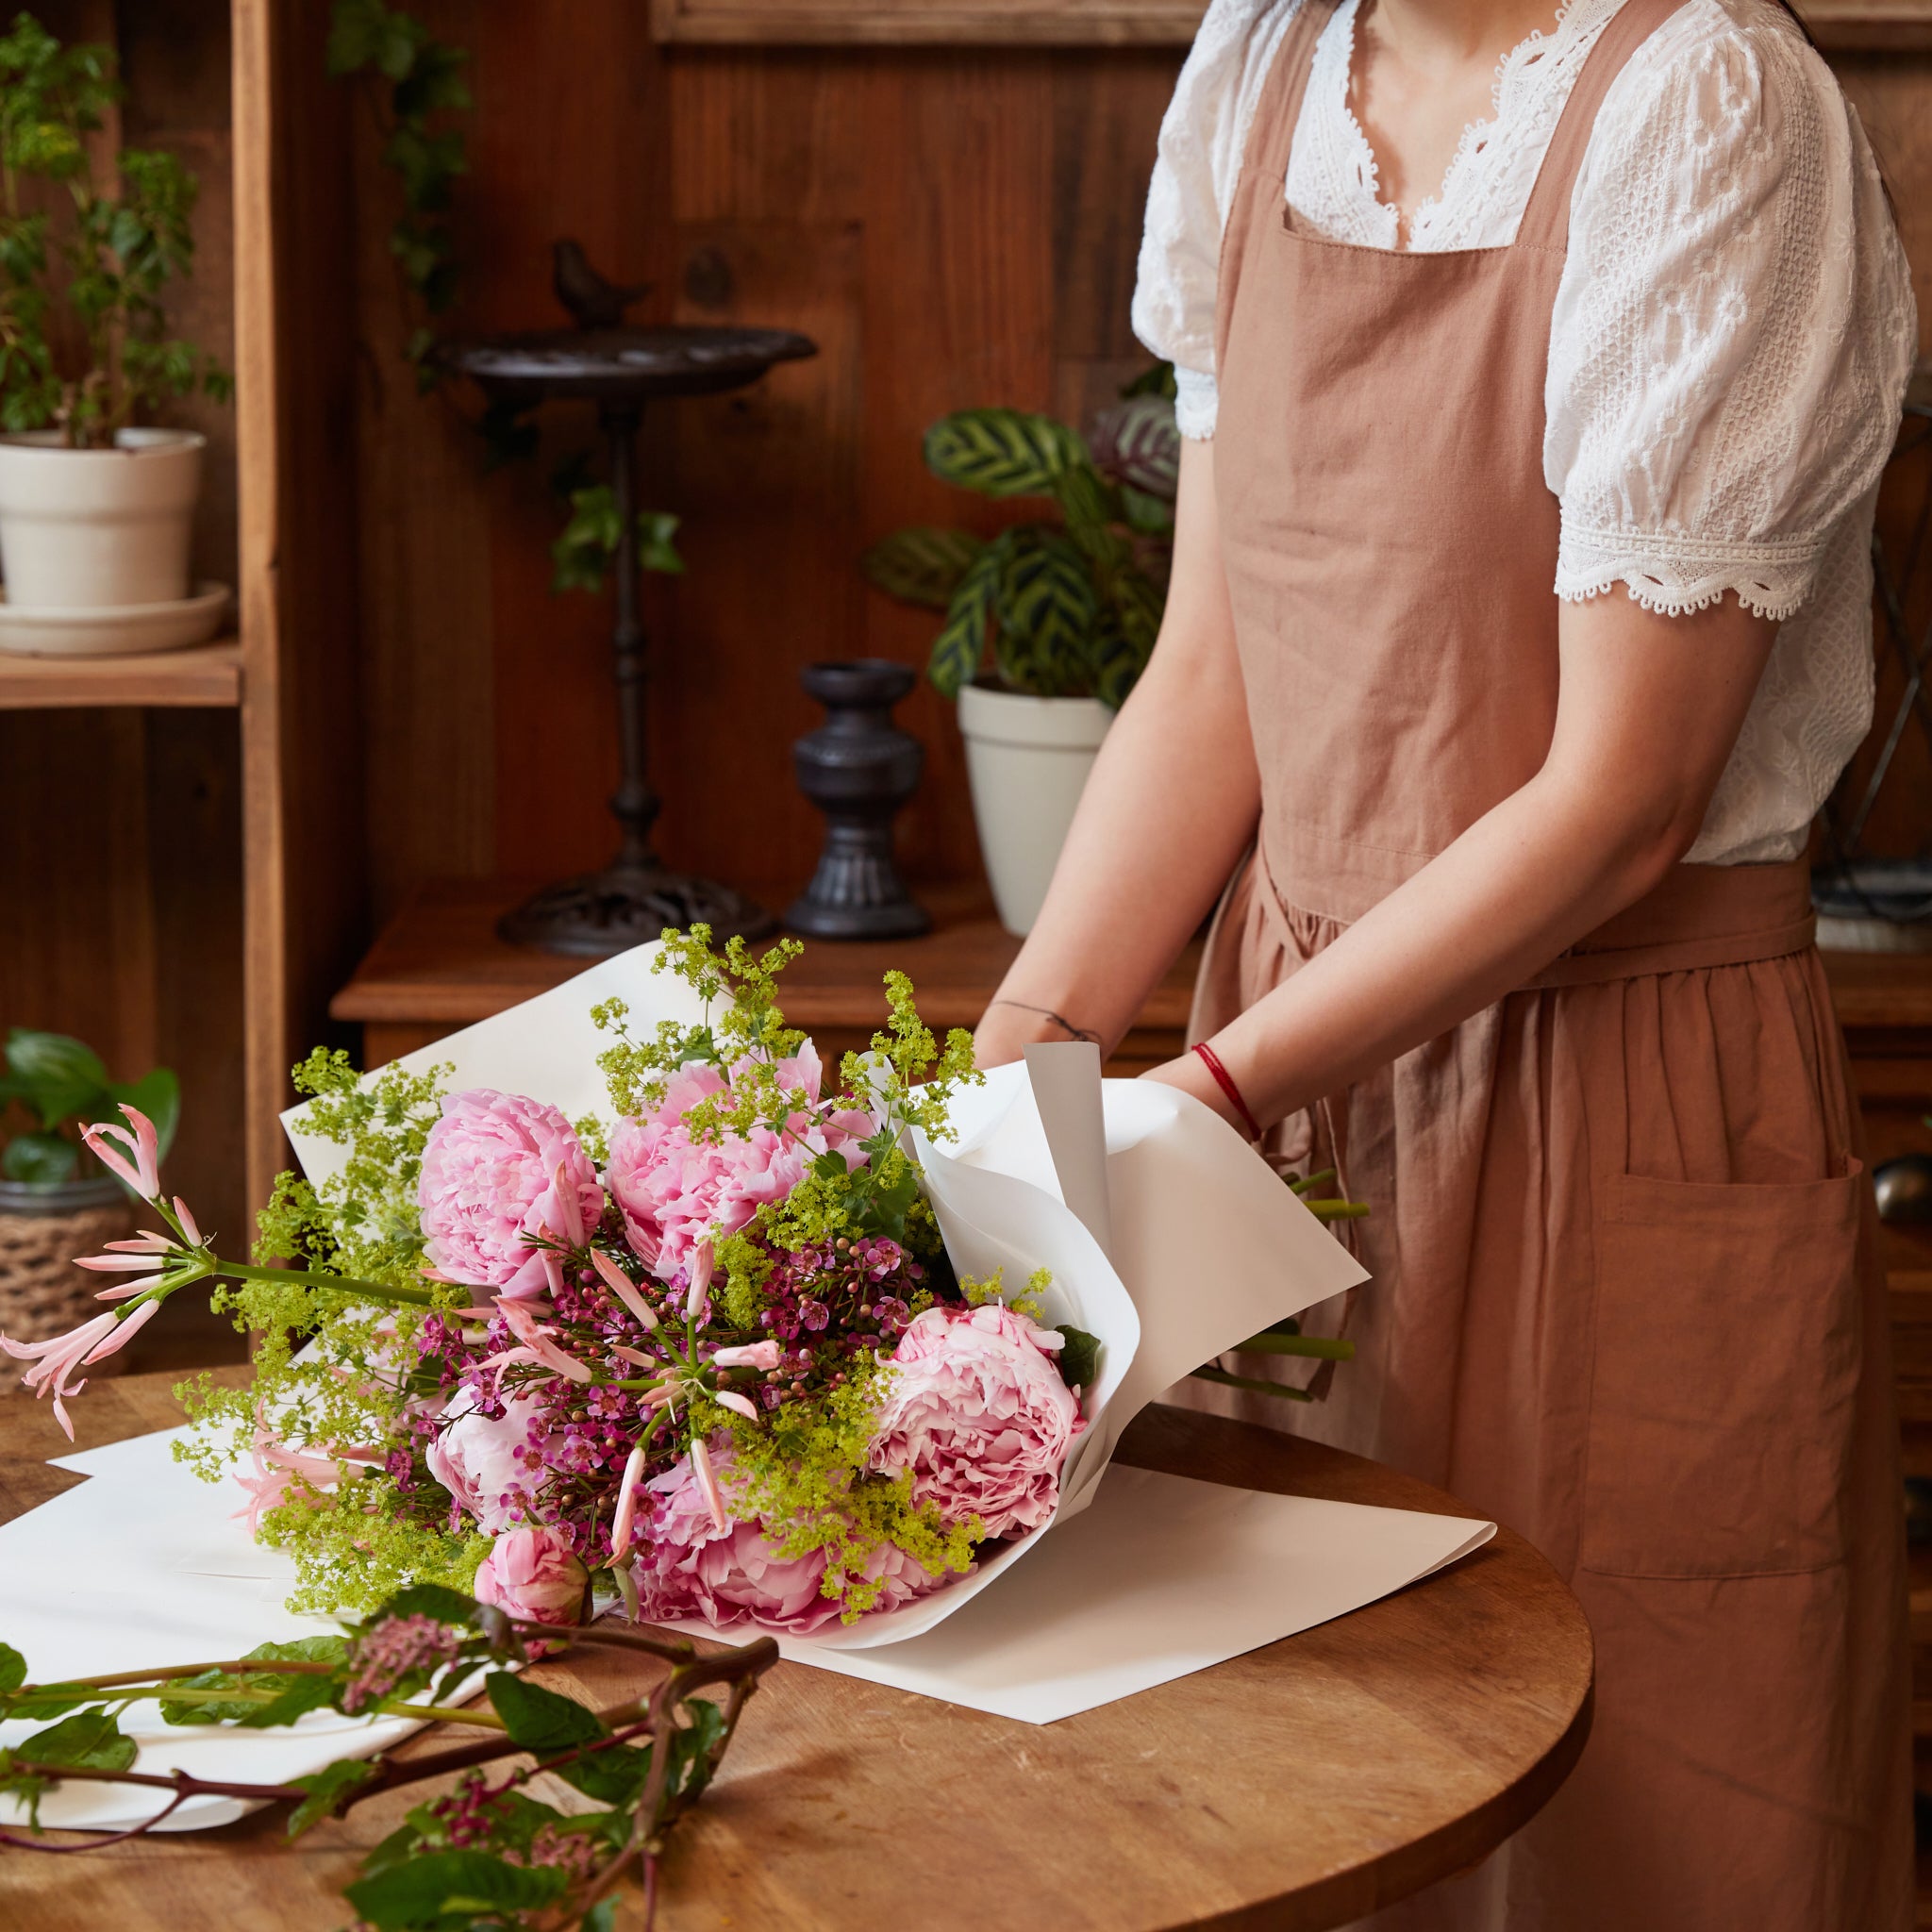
<point>712,1355</point>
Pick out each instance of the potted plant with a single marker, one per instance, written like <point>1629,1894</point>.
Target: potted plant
<point>1047,624</point>
<point>94,510</point>
<point>55,1199</point>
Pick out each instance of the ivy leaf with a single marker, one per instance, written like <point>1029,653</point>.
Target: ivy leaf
<point>59,1075</point>
<point>1080,1358</point>
<point>538,1720</point>
<point>40,1159</point>
<point>960,649</point>
<point>1002,452</point>
<point>88,1741</point>
<point>920,565</point>
<point>327,1788</point>
<point>426,1895</point>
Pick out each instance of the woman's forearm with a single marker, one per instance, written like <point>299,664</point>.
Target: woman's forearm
<point>1650,709</point>
<point>1172,799</point>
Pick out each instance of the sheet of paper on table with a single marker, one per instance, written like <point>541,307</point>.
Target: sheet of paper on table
<point>1172,1241</point>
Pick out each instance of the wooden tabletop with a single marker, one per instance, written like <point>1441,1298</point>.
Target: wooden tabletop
<point>439,959</point>
<point>1295,1788</point>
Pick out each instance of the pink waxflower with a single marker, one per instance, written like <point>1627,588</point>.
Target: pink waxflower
<point>676,1193</point>
<point>692,1568</point>
<point>532,1573</point>
<point>978,1413</point>
<point>482,1460</point>
<point>496,1169</point>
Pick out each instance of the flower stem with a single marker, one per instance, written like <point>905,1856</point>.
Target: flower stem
<point>345,1284</point>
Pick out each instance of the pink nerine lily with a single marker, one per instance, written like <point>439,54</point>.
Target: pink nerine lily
<point>620,1285</point>
<point>701,1263</point>
<point>731,1398</point>
<point>138,1159</point>
<point>707,1482</point>
<point>625,1519</point>
<point>523,1324</point>
<point>55,1360</point>
<point>757,1355</point>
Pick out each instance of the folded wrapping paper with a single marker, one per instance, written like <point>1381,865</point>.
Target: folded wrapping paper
<point>1166,1237</point>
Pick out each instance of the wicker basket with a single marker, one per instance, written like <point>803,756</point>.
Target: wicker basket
<point>42,1230</point>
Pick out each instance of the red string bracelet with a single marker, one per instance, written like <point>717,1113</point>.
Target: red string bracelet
<point>1225,1080</point>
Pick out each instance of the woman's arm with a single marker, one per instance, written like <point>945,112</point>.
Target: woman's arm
<point>1648,709</point>
<point>1172,799</point>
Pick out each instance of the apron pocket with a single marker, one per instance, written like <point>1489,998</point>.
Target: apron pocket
<point>1726,1362</point>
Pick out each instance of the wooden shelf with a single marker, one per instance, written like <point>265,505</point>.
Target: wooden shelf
<point>440,965</point>
<point>206,675</point>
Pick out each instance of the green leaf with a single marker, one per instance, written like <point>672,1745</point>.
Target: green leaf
<point>690,1748</point>
<point>12,1670</point>
<point>52,1700</point>
<point>1002,452</point>
<point>613,1775</point>
<point>158,1094</point>
<point>921,565</point>
<point>601,1917</point>
<point>1046,614</point>
<point>293,1694</point>
<point>89,1740</point>
<point>960,649</point>
<point>1156,381</point>
<point>60,1074</point>
<point>429,1600</point>
<point>539,1720</point>
<point>327,1788</point>
<point>656,549</point>
<point>40,1159</point>
<point>451,1889</point>
<point>300,1695</point>
<point>1080,1357</point>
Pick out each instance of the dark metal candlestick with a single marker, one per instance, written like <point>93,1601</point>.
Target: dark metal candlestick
<point>858,768</point>
<point>634,897</point>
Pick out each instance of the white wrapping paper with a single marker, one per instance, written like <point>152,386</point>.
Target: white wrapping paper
<point>1166,1237</point>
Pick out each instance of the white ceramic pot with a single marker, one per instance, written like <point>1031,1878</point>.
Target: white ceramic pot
<point>1027,760</point>
<point>95,528</point>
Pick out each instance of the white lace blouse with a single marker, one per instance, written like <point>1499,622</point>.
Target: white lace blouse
<point>1729,347</point>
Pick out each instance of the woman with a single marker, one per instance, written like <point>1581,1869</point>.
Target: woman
<point>1523,942</point>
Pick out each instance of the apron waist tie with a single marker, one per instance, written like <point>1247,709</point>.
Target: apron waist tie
<point>1700,916</point>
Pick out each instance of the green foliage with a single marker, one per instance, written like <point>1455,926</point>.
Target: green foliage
<point>1080,1357</point>
<point>588,545</point>
<point>1057,611</point>
<point>110,261</point>
<point>327,1788</point>
<point>539,1720</point>
<point>446,1891</point>
<point>425,82</point>
<point>63,1085</point>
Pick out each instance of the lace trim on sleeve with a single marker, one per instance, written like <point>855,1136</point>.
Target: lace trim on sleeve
<point>1196,403</point>
<point>1675,575</point>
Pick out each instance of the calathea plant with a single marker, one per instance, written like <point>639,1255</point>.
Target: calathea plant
<point>109,257</point>
<point>56,1083</point>
<point>1054,609</point>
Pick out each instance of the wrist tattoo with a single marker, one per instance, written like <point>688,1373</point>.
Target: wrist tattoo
<point>1066,1026</point>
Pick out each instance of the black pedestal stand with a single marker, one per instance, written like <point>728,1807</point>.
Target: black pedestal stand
<point>637,895</point>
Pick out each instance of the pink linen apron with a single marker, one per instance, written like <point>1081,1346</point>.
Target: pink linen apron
<point>1627,1291</point>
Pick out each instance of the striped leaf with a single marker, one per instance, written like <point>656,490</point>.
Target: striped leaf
<point>1137,444</point>
<point>1002,452</point>
<point>960,649</point>
<point>1047,613</point>
<point>921,565</point>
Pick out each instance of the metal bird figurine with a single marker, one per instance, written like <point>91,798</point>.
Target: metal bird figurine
<point>595,302</point>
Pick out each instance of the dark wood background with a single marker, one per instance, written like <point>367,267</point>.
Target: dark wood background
<point>952,227</point>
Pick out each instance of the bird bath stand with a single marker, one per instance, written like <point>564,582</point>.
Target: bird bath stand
<point>634,897</point>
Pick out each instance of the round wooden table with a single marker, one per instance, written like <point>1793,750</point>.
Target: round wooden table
<point>1295,1788</point>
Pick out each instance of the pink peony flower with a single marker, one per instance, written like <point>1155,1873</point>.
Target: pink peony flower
<point>498,1167</point>
<point>735,1575</point>
<point>978,1413</point>
<point>532,1573</point>
<point>676,1192</point>
<point>481,1460</point>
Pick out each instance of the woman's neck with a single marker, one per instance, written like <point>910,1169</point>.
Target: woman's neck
<point>1453,33</point>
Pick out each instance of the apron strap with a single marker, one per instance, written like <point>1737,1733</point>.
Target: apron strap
<point>1281,108</point>
<point>1546,219</point>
